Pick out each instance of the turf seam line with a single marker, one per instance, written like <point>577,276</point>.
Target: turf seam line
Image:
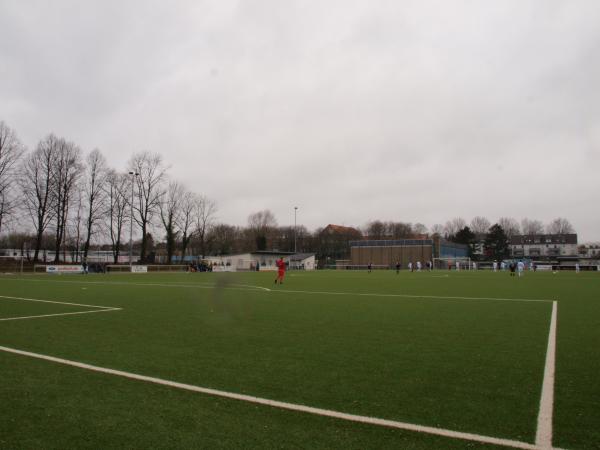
<point>284,405</point>
<point>543,436</point>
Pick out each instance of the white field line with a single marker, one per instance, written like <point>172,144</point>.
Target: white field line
<point>61,314</point>
<point>543,436</point>
<point>239,287</point>
<point>284,405</point>
<point>439,297</point>
<point>54,301</point>
<point>254,288</point>
<point>98,308</point>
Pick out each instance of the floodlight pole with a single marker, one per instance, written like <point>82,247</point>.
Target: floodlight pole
<point>133,175</point>
<point>295,210</point>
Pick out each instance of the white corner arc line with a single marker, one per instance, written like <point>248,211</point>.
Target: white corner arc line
<point>284,405</point>
<point>543,437</point>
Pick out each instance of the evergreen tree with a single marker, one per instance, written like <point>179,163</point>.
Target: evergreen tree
<point>467,237</point>
<point>496,243</point>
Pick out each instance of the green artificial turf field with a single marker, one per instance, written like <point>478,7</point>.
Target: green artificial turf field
<point>460,352</point>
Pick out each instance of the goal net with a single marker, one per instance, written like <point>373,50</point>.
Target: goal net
<point>452,263</point>
<point>11,264</point>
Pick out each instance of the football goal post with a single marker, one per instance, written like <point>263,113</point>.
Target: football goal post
<point>460,263</point>
<point>11,264</point>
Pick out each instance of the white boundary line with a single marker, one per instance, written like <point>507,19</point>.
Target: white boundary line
<point>284,405</point>
<point>433,297</point>
<point>543,436</point>
<point>290,291</point>
<point>57,302</point>
<point>98,308</point>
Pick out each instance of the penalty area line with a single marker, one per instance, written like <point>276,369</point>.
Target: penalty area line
<point>543,436</point>
<point>433,297</point>
<point>284,405</point>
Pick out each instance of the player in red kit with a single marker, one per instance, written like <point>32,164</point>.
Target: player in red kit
<point>280,271</point>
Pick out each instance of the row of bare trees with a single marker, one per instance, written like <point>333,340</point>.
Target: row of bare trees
<point>479,225</point>
<point>56,189</point>
<point>63,196</point>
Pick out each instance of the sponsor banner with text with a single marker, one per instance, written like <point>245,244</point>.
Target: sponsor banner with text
<point>64,269</point>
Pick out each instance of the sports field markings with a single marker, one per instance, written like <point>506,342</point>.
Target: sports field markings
<point>439,297</point>
<point>290,291</point>
<point>288,406</point>
<point>543,436</point>
<point>98,309</point>
<point>201,285</point>
<point>544,424</point>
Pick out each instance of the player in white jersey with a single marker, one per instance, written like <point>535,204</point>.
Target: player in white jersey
<point>520,267</point>
<point>418,266</point>
<point>457,265</point>
<point>503,265</point>
<point>577,268</point>
<point>495,266</point>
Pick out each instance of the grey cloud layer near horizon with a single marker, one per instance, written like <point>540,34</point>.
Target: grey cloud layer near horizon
<point>352,111</point>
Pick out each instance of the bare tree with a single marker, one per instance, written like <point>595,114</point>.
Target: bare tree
<point>376,229</point>
<point>149,191</point>
<point>510,226</point>
<point>11,151</point>
<point>169,215</point>
<point>437,229</point>
<point>77,224</point>
<point>400,230</point>
<point>222,238</point>
<point>480,225</point>
<point>205,214</point>
<point>117,208</point>
<point>560,225</point>
<point>66,172</point>
<point>532,227</point>
<point>95,194</point>
<point>186,219</point>
<point>36,183</point>
<point>419,228</point>
<point>454,226</point>
<point>261,225</point>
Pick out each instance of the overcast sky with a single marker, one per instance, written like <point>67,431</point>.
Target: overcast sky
<point>416,111</point>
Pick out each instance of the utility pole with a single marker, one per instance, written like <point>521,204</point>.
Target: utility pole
<point>133,176</point>
<point>295,210</point>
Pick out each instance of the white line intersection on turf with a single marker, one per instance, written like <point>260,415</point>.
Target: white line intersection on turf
<point>98,309</point>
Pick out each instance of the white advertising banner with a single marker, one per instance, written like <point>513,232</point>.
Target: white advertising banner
<point>64,269</point>
<point>223,269</point>
<point>139,269</point>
